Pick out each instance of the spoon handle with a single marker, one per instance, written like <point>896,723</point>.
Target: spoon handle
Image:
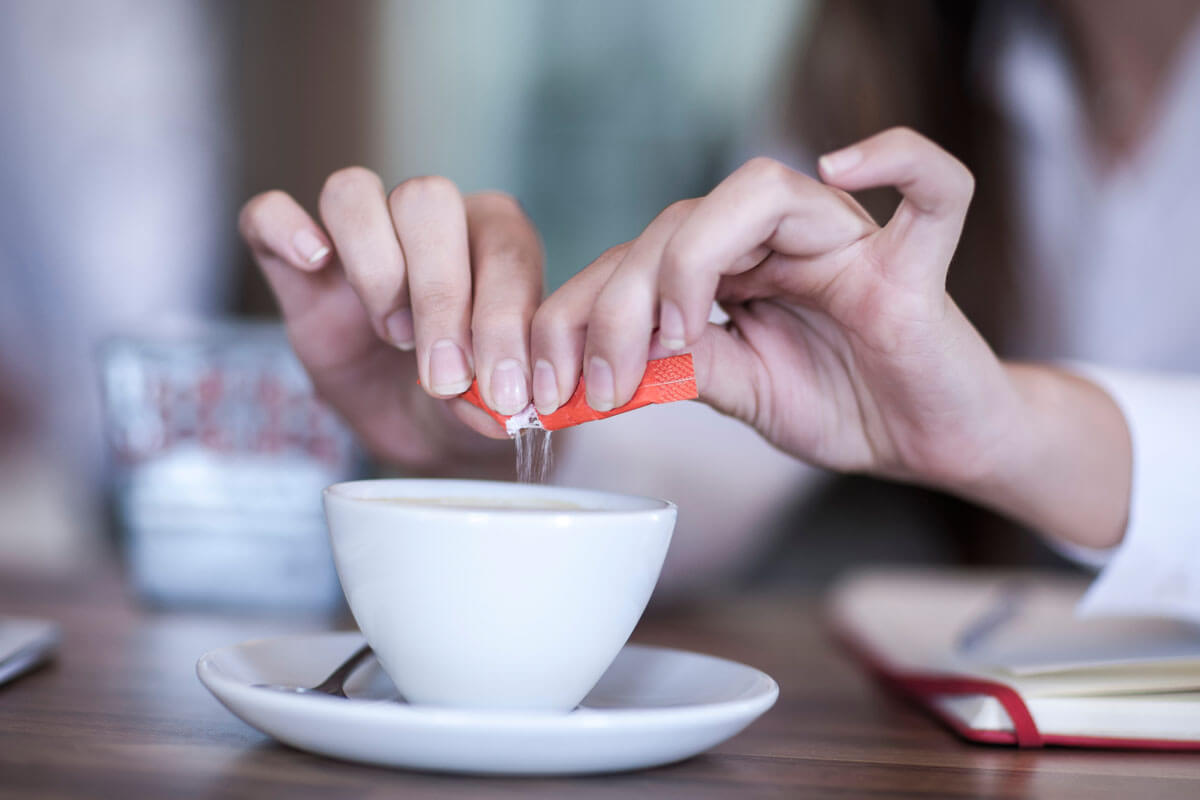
<point>335,684</point>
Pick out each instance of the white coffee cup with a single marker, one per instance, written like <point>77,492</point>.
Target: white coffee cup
<point>472,599</point>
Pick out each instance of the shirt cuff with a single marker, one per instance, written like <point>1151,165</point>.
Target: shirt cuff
<point>1155,570</point>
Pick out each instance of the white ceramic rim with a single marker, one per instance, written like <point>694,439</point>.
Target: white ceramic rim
<point>351,492</point>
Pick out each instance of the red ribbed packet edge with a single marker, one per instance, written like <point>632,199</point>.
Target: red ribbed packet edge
<point>666,381</point>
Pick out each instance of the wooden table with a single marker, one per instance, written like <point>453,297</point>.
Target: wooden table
<point>121,714</point>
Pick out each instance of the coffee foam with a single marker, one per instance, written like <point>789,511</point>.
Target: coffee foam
<point>483,503</point>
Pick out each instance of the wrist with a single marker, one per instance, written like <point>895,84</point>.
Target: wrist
<point>1065,464</point>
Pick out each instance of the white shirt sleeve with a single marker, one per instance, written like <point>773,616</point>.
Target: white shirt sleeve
<point>1155,570</point>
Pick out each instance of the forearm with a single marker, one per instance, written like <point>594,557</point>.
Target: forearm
<point>1066,468</point>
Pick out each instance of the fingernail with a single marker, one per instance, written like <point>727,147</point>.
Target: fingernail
<point>671,334</point>
<point>399,326</point>
<point>600,390</point>
<point>841,161</point>
<point>545,387</point>
<point>310,248</point>
<point>509,390</point>
<point>449,374</point>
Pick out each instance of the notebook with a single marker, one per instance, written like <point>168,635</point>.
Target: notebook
<point>1001,658</point>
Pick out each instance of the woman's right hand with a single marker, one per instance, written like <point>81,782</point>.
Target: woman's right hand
<point>416,283</point>
<point>843,347</point>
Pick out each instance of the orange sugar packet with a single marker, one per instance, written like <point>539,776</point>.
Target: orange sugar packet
<point>666,380</point>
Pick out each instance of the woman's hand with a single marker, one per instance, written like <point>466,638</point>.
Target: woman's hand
<point>418,282</point>
<point>842,346</point>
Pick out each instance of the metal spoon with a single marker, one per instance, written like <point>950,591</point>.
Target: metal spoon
<point>335,684</point>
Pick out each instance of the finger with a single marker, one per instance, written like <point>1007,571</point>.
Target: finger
<point>280,235</point>
<point>559,328</point>
<point>624,314</point>
<point>312,293</point>
<point>763,206</point>
<point>506,257</point>
<point>729,373</point>
<point>274,224</point>
<point>936,187</point>
<point>355,212</point>
<point>430,220</point>
<point>477,419</point>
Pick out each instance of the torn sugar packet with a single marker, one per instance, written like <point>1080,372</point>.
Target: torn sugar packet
<point>523,420</point>
<point>666,380</point>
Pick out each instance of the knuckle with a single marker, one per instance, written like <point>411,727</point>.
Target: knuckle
<point>347,184</point>
<point>766,170</point>
<point>509,254</point>
<point>377,286</point>
<point>905,136</point>
<point>552,320</point>
<point>504,245</point>
<point>761,165</point>
<point>256,213</point>
<point>517,266</point>
<point>964,181</point>
<point>503,238</point>
<point>619,308</point>
<point>606,318</point>
<point>499,202</point>
<point>518,299</point>
<point>770,177</point>
<point>678,211</point>
<point>678,258</point>
<point>906,144</point>
<point>351,179</point>
<point>610,257</point>
<point>423,190</point>
<point>440,298</point>
<point>497,321</point>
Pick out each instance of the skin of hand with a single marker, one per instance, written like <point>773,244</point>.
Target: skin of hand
<point>843,347</point>
<point>416,283</point>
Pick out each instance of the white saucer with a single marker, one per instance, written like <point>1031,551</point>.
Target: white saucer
<point>653,706</point>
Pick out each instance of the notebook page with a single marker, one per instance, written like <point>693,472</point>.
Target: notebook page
<point>969,623</point>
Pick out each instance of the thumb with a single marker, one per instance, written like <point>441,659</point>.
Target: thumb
<point>726,371</point>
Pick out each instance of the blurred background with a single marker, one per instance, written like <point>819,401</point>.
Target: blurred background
<point>136,394</point>
<point>134,130</point>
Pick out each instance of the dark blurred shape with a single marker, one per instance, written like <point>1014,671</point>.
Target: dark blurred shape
<point>116,155</point>
<point>14,412</point>
<point>911,64</point>
<point>868,65</point>
<point>306,78</point>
